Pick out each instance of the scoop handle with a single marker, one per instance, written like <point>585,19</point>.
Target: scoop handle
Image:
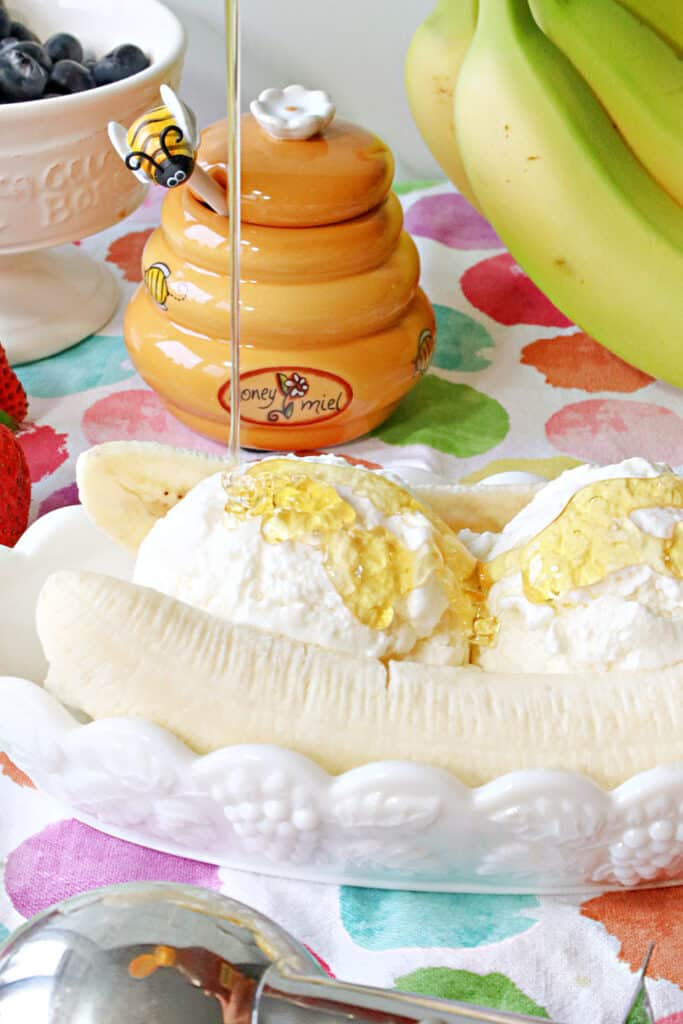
<point>346,1001</point>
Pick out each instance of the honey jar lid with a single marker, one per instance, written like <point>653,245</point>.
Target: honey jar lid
<point>339,172</point>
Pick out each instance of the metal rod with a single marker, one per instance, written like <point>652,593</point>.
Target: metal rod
<point>232,35</point>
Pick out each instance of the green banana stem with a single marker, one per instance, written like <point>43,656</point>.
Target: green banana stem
<point>447,16</point>
<point>511,15</point>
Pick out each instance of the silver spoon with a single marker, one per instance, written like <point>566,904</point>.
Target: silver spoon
<point>156,953</point>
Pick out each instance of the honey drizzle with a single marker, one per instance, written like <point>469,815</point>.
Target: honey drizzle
<point>371,569</point>
<point>594,536</point>
<point>590,538</point>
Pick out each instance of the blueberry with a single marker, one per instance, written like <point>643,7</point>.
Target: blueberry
<point>34,50</point>
<point>121,63</point>
<point>5,22</point>
<point>63,46</point>
<point>20,31</point>
<point>21,76</point>
<point>69,76</point>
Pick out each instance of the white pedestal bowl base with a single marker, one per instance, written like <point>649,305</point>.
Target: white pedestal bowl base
<point>52,299</point>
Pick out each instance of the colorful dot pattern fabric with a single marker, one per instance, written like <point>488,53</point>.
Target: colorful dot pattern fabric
<point>513,385</point>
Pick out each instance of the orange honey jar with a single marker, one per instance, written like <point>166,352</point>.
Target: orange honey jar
<point>335,329</point>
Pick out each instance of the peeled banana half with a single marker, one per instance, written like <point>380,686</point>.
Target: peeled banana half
<point>118,649</point>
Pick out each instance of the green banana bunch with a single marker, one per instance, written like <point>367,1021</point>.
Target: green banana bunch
<point>568,118</point>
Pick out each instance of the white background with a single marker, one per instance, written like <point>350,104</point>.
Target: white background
<point>354,49</point>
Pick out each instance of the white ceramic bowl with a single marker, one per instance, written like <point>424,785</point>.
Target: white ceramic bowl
<point>60,179</point>
<point>266,809</point>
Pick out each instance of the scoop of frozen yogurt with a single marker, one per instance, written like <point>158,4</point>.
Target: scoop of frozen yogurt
<point>319,551</point>
<point>588,576</point>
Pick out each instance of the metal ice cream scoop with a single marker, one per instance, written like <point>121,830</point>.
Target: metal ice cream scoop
<point>173,954</point>
<point>156,953</point>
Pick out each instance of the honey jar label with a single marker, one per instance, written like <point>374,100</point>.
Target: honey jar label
<point>289,396</point>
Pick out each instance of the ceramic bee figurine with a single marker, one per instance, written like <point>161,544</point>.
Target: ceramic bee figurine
<point>161,147</point>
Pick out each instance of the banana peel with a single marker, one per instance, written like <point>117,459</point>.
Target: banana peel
<point>617,54</point>
<point>432,65</point>
<point>664,16</point>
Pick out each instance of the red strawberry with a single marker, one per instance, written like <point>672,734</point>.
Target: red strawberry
<point>15,489</point>
<point>12,396</point>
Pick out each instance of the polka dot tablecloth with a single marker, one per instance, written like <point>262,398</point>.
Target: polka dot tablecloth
<point>514,385</point>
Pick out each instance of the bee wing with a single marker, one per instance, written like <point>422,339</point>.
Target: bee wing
<point>118,136</point>
<point>193,130</point>
<point>163,269</point>
<point>183,116</point>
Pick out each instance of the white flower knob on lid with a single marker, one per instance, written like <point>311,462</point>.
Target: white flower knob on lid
<point>293,112</point>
